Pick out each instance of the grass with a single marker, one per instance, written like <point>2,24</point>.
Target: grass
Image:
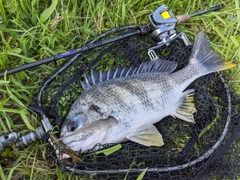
<point>34,30</point>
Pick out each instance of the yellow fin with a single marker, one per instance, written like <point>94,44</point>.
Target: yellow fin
<point>187,108</point>
<point>147,137</point>
<point>227,65</point>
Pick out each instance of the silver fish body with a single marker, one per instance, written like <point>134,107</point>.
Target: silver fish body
<point>124,104</point>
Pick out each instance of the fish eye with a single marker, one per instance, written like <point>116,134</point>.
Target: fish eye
<point>72,126</point>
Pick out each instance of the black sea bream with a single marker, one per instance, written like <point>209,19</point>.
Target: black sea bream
<point>124,104</point>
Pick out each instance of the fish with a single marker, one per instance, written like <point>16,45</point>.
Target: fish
<point>125,103</point>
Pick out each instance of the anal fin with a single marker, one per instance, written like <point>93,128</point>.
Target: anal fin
<point>186,108</point>
<point>147,137</point>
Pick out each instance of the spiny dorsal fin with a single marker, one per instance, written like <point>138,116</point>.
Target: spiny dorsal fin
<point>102,76</point>
<point>94,77</point>
<point>110,73</point>
<point>162,66</point>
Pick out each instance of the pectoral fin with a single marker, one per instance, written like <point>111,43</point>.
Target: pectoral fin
<point>186,108</point>
<point>147,137</point>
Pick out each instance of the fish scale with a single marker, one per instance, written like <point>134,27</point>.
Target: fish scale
<point>123,104</point>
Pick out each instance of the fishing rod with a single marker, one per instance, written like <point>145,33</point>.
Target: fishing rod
<point>7,139</point>
<point>158,24</point>
<point>161,29</point>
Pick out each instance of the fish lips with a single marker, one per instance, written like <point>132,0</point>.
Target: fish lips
<point>71,144</point>
<point>84,141</point>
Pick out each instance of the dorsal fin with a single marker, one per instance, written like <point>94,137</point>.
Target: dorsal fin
<point>110,73</point>
<point>162,66</point>
<point>117,73</point>
<point>94,77</point>
<point>102,76</point>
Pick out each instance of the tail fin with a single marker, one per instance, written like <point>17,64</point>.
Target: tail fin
<point>203,55</point>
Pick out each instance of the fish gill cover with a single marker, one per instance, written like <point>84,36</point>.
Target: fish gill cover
<point>205,150</point>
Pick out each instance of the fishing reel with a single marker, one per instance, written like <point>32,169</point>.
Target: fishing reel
<point>163,21</point>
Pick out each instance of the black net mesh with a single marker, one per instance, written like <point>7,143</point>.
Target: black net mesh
<point>208,149</point>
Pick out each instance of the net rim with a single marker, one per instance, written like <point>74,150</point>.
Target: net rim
<point>206,155</point>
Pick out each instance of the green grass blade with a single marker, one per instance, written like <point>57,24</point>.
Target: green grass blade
<point>123,13</point>
<point>2,12</point>
<point>14,97</point>
<point>10,110</point>
<point>238,10</point>
<point>110,150</point>
<point>3,177</point>
<point>3,128</point>
<point>11,172</point>
<point>48,12</point>
<point>34,161</point>
<point>8,121</point>
<point>140,177</point>
<point>25,119</point>
<point>235,41</point>
<point>4,102</point>
<point>4,82</point>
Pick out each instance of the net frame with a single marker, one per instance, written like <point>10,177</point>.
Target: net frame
<point>77,168</point>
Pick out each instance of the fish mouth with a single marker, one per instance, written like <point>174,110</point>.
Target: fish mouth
<point>62,156</point>
<point>71,144</point>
